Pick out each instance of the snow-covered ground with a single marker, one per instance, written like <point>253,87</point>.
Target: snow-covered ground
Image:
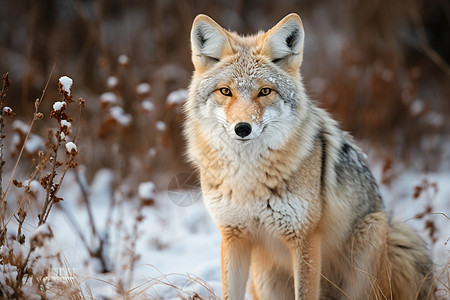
<point>179,246</point>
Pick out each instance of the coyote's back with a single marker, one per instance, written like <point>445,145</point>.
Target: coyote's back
<point>292,195</point>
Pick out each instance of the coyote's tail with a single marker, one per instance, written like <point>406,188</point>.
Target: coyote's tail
<point>412,276</point>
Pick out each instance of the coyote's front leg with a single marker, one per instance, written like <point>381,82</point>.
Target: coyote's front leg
<point>305,254</point>
<point>235,261</point>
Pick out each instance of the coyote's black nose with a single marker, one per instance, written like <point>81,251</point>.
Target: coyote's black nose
<point>243,129</point>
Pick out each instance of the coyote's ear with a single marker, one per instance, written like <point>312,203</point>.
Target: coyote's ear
<point>209,42</point>
<point>284,43</point>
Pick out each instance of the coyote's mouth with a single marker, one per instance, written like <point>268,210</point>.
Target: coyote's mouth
<point>243,140</point>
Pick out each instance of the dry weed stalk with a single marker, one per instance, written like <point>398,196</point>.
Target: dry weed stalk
<point>5,84</point>
<point>26,259</point>
<point>64,121</point>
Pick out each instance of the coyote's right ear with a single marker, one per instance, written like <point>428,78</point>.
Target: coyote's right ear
<point>284,43</point>
<point>209,43</point>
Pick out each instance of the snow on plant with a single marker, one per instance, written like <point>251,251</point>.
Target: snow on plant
<point>147,105</point>
<point>124,60</point>
<point>59,105</point>
<point>65,84</point>
<point>116,117</point>
<point>120,116</point>
<point>21,136</point>
<point>7,111</point>
<point>143,89</point>
<point>161,126</point>
<point>146,192</point>
<point>71,148</point>
<point>26,256</point>
<point>66,125</point>
<point>32,186</point>
<point>112,82</point>
<point>177,97</point>
<point>108,98</point>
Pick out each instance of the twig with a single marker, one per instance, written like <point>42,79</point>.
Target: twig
<point>58,186</point>
<point>423,215</point>
<point>6,84</point>
<point>48,194</point>
<point>85,198</point>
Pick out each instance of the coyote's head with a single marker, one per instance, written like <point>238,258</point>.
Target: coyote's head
<point>246,89</point>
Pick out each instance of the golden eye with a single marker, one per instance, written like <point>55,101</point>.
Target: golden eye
<point>264,92</point>
<point>225,92</point>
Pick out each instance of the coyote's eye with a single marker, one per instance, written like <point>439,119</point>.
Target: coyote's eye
<point>264,92</point>
<point>225,92</point>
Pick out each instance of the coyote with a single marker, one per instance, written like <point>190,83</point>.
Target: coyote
<point>293,197</point>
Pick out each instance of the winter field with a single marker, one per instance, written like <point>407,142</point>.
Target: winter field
<point>97,200</point>
<point>99,240</point>
<point>177,247</point>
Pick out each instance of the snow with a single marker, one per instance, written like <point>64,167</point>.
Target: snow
<point>179,244</point>
<point>175,243</point>
<point>20,251</point>
<point>67,124</point>
<point>42,230</point>
<point>101,186</point>
<point>177,97</point>
<point>7,110</point>
<point>9,272</point>
<point>118,114</point>
<point>59,105</point>
<point>70,146</point>
<point>161,126</point>
<point>435,119</point>
<point>417,107</point>
<point>399,198</point>
<point>66,83</point>
<point>152,152</point>
<point>143,88</point>
<point>33,186</point>
<point>34,143</point>
<point>146,190</point>
<point>112,82</point>
<point>147,105</point>
<point>20,126</point>
<point>123,60</point>
<point>108,97</point>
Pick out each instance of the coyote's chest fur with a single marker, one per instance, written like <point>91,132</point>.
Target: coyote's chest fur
<point>264,191</point>
<point>259,208</point>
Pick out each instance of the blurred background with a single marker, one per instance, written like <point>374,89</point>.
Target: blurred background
<point>380,67</point>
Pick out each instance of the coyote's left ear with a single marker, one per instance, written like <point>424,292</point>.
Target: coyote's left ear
<point>284,44</point>
<point>209,42</point>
